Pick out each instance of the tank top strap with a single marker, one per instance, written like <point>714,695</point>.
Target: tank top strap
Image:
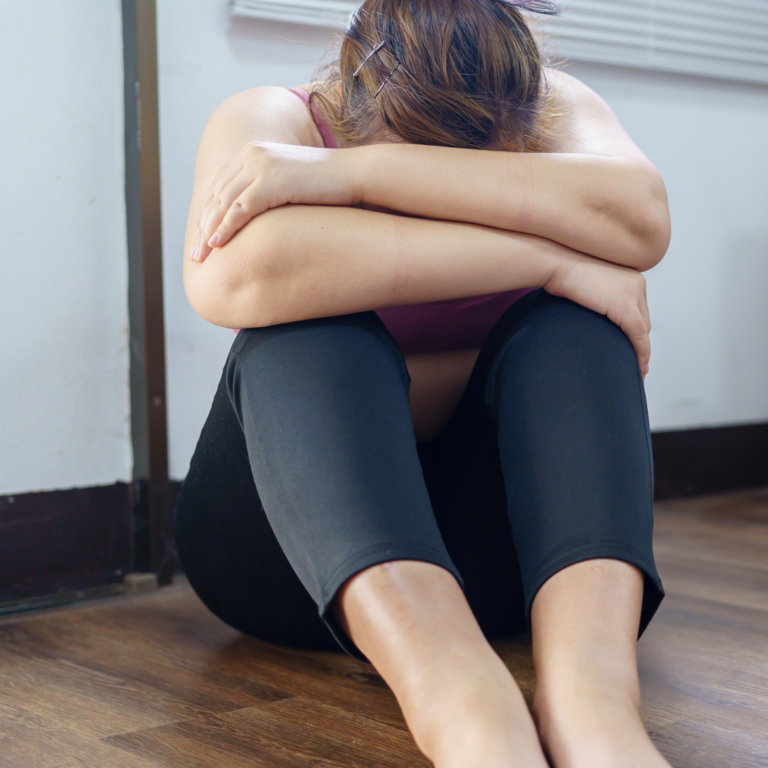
<point>325,132</point>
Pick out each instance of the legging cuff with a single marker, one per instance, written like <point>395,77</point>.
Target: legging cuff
<point>373,556</point>
<point>653,591</point>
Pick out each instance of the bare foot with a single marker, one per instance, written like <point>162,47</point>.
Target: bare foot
<point>587,725</point>
<point>471,713</point>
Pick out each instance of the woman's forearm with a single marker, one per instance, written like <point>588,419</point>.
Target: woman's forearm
<point>614,208</point>
<point>300,262</point>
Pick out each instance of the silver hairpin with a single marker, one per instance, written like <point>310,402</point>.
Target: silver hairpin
<point>386,79</point>
<point>365,60</point>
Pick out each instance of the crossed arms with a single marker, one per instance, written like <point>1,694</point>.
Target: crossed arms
<point>581,220</point>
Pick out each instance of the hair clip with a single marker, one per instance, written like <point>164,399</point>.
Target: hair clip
<point>386,79</point>
<point>365,60</point>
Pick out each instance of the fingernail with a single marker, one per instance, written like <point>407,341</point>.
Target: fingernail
<point>646,368</point>
<point>194,254</point>
<point>214,241</point>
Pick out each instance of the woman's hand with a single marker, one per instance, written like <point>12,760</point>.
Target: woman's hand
<point>614,291</point>
<point>266,175</point>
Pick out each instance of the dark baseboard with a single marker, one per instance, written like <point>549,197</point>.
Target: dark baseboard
<point>697,461</point>
<point>59,542</point>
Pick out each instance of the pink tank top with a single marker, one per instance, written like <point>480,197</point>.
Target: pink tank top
<point>440,326</point>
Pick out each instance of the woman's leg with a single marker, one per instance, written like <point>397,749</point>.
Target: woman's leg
<point>227,547</point>
<point>317,414</point>
<point>318,405</point>
<point>587,703</point>
<point>324,409</point>
<point>564,387</point>
<point>461,704</point>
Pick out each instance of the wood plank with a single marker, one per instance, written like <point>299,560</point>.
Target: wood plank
<point>32,739</point>
<point>335,677</point>
<point>209,741</point>
<point>168,671</point>
<point>291,732</point>
<point>92,704</point>
<point>182,627</point>
<point>30,747</point>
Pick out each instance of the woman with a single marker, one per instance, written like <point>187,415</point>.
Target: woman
<point>434,428</point>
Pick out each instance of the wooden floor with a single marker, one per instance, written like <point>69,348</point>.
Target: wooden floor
<point>157,681</point>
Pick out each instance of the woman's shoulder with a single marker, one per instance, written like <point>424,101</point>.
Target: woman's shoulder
<point>274,113</point>
<point>581,121</point>
<point>567,93</point>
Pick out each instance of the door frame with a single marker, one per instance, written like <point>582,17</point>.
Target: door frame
<point>152,513</point>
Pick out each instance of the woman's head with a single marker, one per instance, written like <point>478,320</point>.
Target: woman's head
<point>455,73</point>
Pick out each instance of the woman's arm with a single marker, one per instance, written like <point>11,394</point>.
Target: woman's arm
<point>301,262</point>
<point>594,191</point>
<point>298,262</point>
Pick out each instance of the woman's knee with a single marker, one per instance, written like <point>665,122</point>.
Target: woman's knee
<point>307,339</point>
<point>569,331</point>
<point>574,442</point>
<point>559,346</point>
<point>349,353</point>
<point>568,380</point>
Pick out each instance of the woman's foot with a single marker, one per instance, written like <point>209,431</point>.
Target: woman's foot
<point>468,712</point>
<point>584,723</point>
<point>587,702</point>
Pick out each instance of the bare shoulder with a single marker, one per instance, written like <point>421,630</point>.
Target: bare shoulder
<point>267,113</point>
<point>568,89</point>
<point>583,122</point>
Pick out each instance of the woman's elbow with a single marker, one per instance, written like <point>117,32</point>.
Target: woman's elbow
<point>212,299</point>
<point>231,291</point>
<point>648,245</point>
<point>651,230</point>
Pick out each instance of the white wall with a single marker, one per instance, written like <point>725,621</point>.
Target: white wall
<point>710,314</point>
<point>64,398</point>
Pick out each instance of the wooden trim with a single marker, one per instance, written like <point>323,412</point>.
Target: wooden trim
<point>58,542</point>
<point>715,460</point>
<point>145,291</point>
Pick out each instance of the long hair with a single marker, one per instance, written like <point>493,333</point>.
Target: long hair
<point>453,73</point>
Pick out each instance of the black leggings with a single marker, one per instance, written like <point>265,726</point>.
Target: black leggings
<point>545,462</point>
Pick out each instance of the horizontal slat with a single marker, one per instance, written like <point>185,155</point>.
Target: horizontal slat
<point>704,37</point>
<point>700,37</point>
<point>704,45</point>
<point>726,29</point>
<point>738,10</point>
<point>322,13</point>
<point>730,31</point>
